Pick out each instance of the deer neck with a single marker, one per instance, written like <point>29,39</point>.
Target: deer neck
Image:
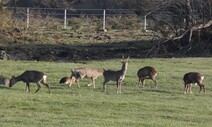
<point>18,78</point>
<point>100,73</point>
<point>124,68</point>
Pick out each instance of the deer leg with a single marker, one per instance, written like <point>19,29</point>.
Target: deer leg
<point>120,83</point>
<point>139,81</point>
<point>190,88</point>
<point>203,86</point>
<point>70,85</point>
<point>93,82</point>
<point>156,85</point>
<point>104,86</point>
<point>154,80</point>
<point>78,85</point>
<point>143,82</point>
<point>27,88</point>
<point>185,88</point>
<point>200,87</point>
<point>47,85</point>
<point>39,86</point>
<point>117,86</point>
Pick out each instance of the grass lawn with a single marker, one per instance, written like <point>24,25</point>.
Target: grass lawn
<point>166,106</point>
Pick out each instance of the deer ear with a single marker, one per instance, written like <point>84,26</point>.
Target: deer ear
<point>128,58</point>
<point>123,57</point>
<point>73,70</point>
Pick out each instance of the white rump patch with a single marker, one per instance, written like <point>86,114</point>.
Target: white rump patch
<point>67,82</point>
<point>44,78</point>
<point>202,77</point>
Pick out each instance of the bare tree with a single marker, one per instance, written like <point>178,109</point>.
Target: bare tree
<point>181,22</point>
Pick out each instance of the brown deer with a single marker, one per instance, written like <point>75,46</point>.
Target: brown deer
<point>80,73</point>
<point>69,81</point>
<point>147,73</point>
<point>31,76</point>
<point>4,81</point>
<point>118,76</point>
<point>193,77</point>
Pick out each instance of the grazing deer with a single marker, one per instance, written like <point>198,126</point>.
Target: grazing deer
<point>147,73</point>
<point>117,76</point>
<point>69,81</point>
<point>80,73</point>
<point>193,77</point>
<point>31,76</point>
<point>4,81</point>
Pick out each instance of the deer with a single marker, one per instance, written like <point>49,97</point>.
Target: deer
<point>4,80</point>
<point>80,73</point>
<point>69,81</point>
<point>193,77</point>
<point>31,76</point>
<point>118,76</point>
<point>147,72</point>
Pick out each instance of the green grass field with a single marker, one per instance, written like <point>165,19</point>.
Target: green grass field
<point>166,106</point>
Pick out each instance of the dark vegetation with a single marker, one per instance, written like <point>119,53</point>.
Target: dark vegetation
<point>178,28</point>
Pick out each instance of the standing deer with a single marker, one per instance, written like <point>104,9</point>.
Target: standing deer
<point>31,76</point>
<point>118,76</point>
<point>147,73</point>
<point>4,81</point>
<point>193,77</point>
<point>80,73</point>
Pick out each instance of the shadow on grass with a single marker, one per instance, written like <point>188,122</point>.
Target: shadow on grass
<point>163,91</point>
<point>76,52</point>
<point>158,91</point>
<point>60,86</point>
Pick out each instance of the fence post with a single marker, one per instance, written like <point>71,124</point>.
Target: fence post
<point>65,13</point>
<point>104,13</point>
<point>27,18</point>
<point>145,24</point>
